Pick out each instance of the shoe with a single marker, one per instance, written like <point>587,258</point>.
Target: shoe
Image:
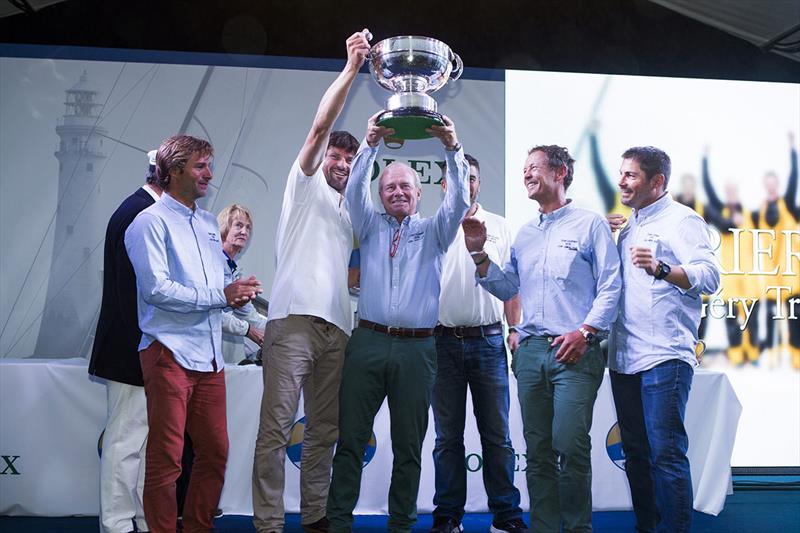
<point>320,526</point>
<point>515,525</point>
<point>446,524</point>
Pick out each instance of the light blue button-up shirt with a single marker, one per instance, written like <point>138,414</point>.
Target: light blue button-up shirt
<point>176,253</point>
<point>658,320</point>
<point>403,290</point>
<point>565,266</point>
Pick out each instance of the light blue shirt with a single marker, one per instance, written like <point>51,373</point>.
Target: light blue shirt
<point>176,253</point>
<point>565,266</point>
<point>658,320</point>
<point>403,290</point>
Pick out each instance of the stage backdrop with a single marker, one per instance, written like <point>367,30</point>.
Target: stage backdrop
<point>746,130</point>
<point>64,168</point>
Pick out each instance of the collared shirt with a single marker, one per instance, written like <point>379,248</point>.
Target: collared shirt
<point>403,290</point>
<point>237,322</point>
<point>658,320</point>
<point>312,249</point>
<point>176,253</point>
<point>462,303</point>
<point>565,266</point>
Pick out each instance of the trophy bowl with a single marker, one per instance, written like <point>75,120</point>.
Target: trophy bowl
<point>411,67</point>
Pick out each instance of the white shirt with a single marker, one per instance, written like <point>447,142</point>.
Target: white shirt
<point>658,320</point>
<point>312,249</point>
<point>462,302</point>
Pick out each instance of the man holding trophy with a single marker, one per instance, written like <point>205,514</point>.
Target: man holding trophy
<point>392,353</point>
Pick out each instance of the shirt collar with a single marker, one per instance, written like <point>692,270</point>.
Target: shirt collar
<point>557,214</point>
<point>176,206</point>
<point>231,262</point>
<point>654,208</point>
<point>406,221</point>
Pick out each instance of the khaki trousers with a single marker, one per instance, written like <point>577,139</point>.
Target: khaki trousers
<point>300,353</point>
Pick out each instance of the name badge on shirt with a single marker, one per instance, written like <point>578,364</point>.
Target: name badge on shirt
<point>569,244</point>
<point>414,237</point>
<point>652,237</point>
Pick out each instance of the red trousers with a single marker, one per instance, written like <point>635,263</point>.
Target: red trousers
<point>181,400</point>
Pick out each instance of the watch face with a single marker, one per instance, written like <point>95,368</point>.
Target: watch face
<point>590,337</point>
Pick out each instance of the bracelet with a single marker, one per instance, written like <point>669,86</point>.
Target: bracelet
<point>482,261</point>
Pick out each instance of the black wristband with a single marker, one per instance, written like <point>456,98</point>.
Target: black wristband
<point>482,261</point>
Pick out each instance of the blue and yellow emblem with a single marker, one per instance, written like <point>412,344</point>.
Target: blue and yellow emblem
<point>614,446</point>
<point>295,449</point>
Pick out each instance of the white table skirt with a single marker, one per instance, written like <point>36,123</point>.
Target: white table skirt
<point>52,414</point>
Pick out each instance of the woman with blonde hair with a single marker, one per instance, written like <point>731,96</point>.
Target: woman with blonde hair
<point>235,227</point>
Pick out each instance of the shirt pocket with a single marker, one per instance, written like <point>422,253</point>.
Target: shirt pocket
<point>565,262</point>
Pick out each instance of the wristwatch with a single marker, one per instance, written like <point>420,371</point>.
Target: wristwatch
<point>588,336</point>
<point>455,148</point>
<point>662,271</point>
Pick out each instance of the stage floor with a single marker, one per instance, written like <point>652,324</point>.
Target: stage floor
<point>764,511</point>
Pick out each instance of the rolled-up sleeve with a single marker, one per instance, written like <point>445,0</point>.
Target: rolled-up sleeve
<point>502,283</point>
<point>606,270</point>
<point>696,257</point>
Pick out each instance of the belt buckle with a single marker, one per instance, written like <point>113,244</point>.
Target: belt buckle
<point>396,331</point>
<point>456,330</point>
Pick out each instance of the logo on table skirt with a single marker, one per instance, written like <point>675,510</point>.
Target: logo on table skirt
<point>614,446</point>
<point>295,449</point>
<point>9,465</point>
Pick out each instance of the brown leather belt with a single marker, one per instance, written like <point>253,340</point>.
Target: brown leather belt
<point>393,331</point>
<point>471,331</point>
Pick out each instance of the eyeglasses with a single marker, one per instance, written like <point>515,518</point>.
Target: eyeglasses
<point>395,243</point>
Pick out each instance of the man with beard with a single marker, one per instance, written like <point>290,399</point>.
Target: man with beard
<point>176,253</point>
<point>309,317</point>
<point>667,263</point>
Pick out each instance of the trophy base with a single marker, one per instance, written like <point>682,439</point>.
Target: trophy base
<point>410,123</point>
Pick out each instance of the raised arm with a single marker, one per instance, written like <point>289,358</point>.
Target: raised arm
<point>359,200</point>
<point>456,197</point>
<point>313,151</point>
<point>608,192</point>
<point>503,284</point>
<point>790,197</point>
<point>711,194</point>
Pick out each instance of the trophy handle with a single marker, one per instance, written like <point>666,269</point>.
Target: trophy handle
<point>459,68</point>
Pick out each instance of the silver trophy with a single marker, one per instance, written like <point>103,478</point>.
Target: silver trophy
<point>411,67</point>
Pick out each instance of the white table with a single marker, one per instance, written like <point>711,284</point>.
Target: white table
<point>52,414</point>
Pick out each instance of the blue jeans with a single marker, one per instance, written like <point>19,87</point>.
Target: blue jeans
<point>650,409</point>
<point>481,363</point>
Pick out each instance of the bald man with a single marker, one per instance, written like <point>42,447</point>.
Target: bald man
<point>392,353</point>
